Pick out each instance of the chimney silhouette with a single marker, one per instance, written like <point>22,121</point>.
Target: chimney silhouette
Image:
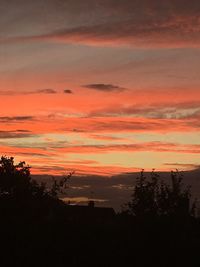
<point>91,203</point>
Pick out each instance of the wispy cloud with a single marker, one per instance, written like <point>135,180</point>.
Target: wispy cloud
<point>168,110</point>
<point>14,119</point>
<point>140,24</point>
<point>183,165</point>
<point>144,23</point>
<point>18,92</point>
<point>44,91</point>
<point>137,147</point>
<point>106,137</point>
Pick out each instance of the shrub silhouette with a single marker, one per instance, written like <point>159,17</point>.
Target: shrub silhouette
<point>153,198</point>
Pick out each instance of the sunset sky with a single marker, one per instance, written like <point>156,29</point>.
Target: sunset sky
<point>100,86</point>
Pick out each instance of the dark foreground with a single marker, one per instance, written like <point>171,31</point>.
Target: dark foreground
<point>121,241</point>
<point>37,229</point>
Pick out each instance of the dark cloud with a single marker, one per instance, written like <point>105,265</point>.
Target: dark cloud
<point>104,87</point>
<point>68,91</point>
<point>16,118</point>
<point>15,134</point>
<point>44,91</point>
<point>23,131</point>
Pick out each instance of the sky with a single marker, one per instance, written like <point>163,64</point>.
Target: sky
<point>100,86</point>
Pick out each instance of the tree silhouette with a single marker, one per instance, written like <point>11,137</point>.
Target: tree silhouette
<point>153,198</point>
<point>20,195</point>
<point>15,179</point>
<point>60,186</point>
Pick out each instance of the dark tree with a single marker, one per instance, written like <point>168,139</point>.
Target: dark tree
<point>15,179</point>
<point>23,197</point>
<point>154,197</point>
<point>60,186</point>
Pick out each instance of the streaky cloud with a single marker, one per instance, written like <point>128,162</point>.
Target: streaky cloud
<point>15,134</point>
<point>18,92</point>
<point>16,118</point>
<point>155,146</point>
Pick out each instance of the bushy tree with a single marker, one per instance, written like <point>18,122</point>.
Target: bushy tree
<point>20,195</point>
<point>15,181</point>
<point>154,197</point>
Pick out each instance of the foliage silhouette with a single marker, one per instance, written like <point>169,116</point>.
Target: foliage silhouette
<point>15,181</point>
<point>153,198</point>
<point>60,186</point>
<point>23,198</point>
